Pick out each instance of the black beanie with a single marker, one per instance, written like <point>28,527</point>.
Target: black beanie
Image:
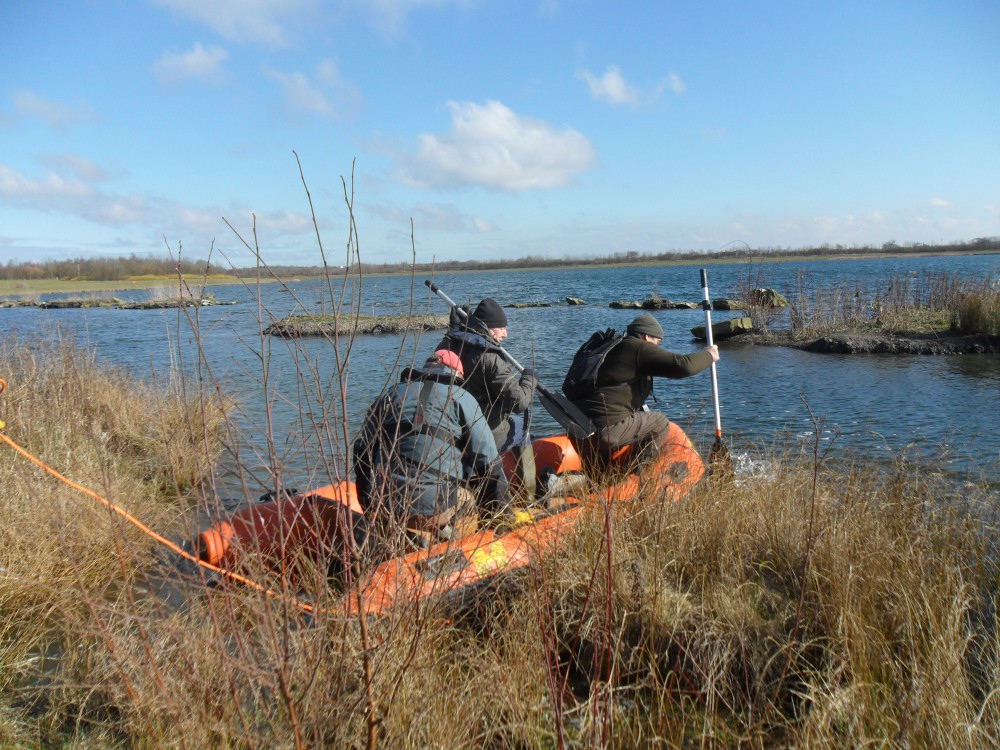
<point>491,314</point>
<point>646,324</point>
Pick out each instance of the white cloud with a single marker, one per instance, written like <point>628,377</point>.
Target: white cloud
<point>939,203</point>
<point>64,197</point>
<point>326,93</point>
<point>548,8</point>
<point>282,223</point>
<point>258,21</point>
<point>484,225</point>
<point>611,87</point>
<point>115,210</point>
<point>47,192</point>
<point>274,23</point>
<point>905,224</point>
<point>57,114</point>
<point>390,15</point>
<point>81,166</point>
<point>301,93</point>
<point>54,193</point>
<point>440,216</point>
<point>200,62</point>
<point>491,146</point>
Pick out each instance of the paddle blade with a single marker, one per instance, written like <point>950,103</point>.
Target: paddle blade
<point>570,417</point>
<point>720,463</point>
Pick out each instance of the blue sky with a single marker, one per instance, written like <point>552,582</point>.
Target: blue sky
<point>499,128</point>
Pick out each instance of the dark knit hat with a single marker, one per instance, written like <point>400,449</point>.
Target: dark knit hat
<point>490,313</point>
<point>646,324</point>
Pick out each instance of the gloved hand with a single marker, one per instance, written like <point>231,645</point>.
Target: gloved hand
<point>455,318</point>
<point>528,377</point>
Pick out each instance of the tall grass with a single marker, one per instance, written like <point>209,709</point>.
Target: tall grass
<point>816,606</point>
<point>813,607</point>
<point>931,302</point>
<point>978,311</point>
<point>141,445</point>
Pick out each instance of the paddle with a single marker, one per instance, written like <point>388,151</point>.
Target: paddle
<point>561,408</point>
<point>718,458</point>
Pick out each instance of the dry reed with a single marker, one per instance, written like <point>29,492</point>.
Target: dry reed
<point>815,606</point>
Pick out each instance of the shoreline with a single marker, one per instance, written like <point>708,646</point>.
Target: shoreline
<point>20,288</point>
<point>941,343</point>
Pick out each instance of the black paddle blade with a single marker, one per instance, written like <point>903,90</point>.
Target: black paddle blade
<point>720,463</point>
<point>574,421</point>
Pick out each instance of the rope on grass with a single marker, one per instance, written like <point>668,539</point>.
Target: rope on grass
<point>230,574</point>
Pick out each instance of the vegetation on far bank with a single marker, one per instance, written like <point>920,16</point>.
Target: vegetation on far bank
<point>922,306</point>
<point>91,274</point>
<point>31,288</point>
<point>815,606</point>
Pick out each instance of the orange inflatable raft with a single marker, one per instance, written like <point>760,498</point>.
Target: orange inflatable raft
<point>312,525</point>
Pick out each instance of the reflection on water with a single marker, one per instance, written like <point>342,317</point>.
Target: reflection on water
<point>941,409</point>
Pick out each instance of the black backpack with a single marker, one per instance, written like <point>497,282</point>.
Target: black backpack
<point>581,380</point>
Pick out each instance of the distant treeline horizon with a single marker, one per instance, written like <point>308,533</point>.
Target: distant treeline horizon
<point>135,266</point>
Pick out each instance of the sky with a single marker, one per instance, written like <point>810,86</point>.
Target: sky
<point>492,129</point>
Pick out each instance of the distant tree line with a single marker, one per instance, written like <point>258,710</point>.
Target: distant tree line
<point>106,269</point>
<point>633,257</point>
<point>118,269</point>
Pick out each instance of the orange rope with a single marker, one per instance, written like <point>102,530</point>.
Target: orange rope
<point>145,529</point>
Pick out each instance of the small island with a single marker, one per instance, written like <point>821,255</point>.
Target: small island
<point>295,326</point>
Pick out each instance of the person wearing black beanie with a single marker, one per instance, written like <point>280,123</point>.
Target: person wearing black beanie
<point>502,393</point>
<point>490,312</point>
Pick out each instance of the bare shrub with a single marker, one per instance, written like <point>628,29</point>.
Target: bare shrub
<point>750,283</point>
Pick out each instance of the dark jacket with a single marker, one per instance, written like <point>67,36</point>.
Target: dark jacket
<point>625,379</point>
<point>422,439</point>
<point>499,390</point>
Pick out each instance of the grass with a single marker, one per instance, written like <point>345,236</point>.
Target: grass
<point>932,303</point>
<point>142,445</point>
<point>815,606</point>
<point>34,287</point>
<point>818,606</point>
<point>978,311</point>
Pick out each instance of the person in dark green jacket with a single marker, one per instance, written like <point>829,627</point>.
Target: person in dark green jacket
<point>425,458</point>
<point>625,381</point>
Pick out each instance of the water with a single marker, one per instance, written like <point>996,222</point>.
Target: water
<point>942,410</point>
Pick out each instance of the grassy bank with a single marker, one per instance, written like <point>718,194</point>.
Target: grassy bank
<point>34,287</point>
<point>931,303</point>
<point>813,607</point>
<point>63,556</point>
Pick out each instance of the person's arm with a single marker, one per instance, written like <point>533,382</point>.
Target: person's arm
<point>660,363</point>
<point>510,393</point>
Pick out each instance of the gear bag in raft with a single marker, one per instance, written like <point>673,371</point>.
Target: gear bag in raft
<point>581,380</point>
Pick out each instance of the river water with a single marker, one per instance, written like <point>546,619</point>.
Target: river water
<point>942,410</point>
